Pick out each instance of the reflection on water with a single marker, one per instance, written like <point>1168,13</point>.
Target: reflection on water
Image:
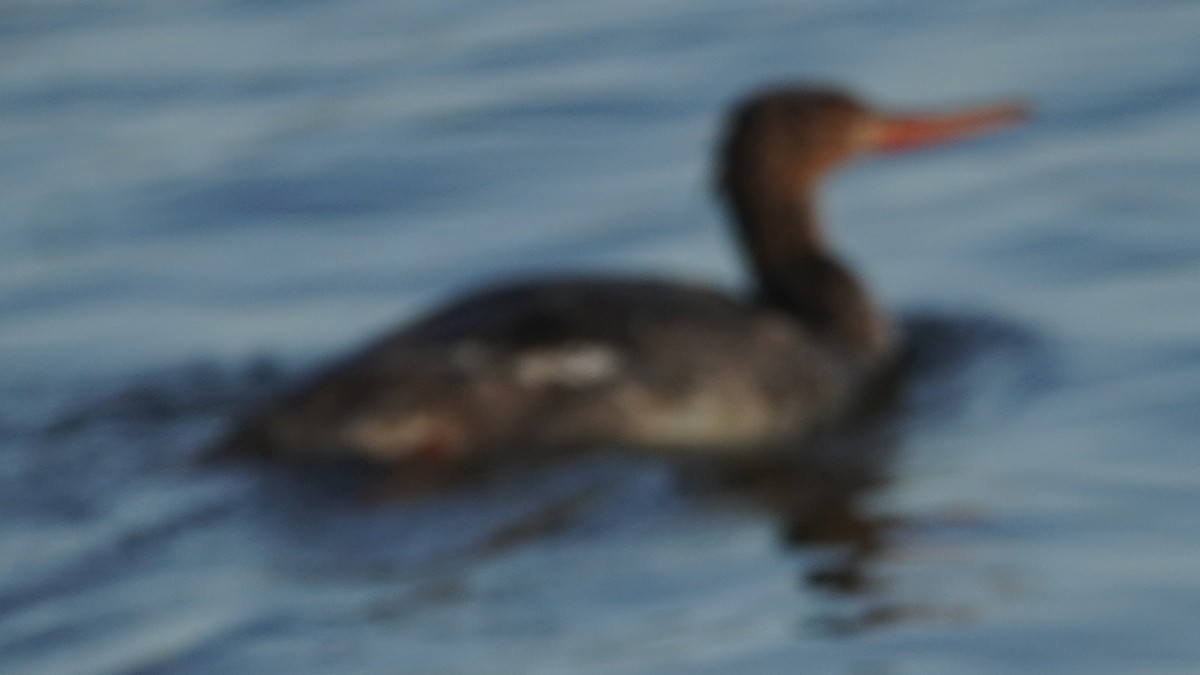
<point>821,494</point>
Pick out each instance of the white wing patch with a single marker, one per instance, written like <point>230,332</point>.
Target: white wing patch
<point>578,365</point>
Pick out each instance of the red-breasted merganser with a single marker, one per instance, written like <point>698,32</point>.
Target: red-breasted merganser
<point>640,363</point>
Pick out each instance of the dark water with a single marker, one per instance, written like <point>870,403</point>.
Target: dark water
<point>199,201</point>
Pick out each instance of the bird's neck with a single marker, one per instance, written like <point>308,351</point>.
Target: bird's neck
<point>796,273</point>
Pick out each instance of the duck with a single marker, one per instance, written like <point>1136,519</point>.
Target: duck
<point>543,366</point>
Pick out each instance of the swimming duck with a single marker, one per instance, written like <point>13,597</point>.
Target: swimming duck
<point>642,363</point>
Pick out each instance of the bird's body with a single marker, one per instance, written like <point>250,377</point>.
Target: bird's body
<point>549,365</point>
<point>568,363</point>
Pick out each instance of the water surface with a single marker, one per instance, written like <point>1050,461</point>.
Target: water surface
<point>200,201</point>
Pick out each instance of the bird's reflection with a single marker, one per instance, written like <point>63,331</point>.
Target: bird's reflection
<point>819,495</point>
<point>823,495</point>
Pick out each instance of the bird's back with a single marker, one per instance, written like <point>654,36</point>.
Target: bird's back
<point>569,363</point>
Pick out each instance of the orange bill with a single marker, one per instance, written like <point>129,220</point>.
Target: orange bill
<point>907,132</point>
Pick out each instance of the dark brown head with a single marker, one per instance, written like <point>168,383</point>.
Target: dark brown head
<point>778,143</point>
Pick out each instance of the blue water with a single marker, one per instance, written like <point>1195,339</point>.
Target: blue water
<point>201,200</point>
